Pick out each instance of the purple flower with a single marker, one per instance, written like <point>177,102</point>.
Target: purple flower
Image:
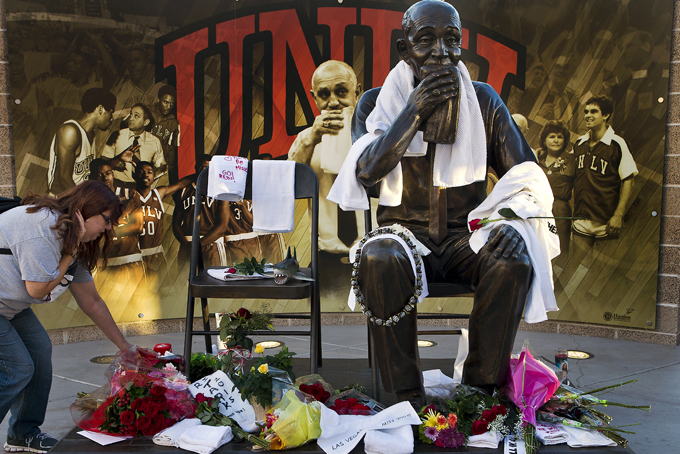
<point>431,433</point>
<point>451,438</point>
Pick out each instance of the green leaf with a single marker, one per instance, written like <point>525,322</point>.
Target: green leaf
<point>508,213</point>
<point>205,419</point>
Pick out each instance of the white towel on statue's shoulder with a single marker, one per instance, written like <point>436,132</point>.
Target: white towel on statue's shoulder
<point>389,441</point>
<point>204,439</point>
<point>347,191</point>
<point>550,434</point>
<point>459,164</point>
<point>486,440</point>
<point>273,196</point>
<point>169,436</point>
<point>581,438</point>
<point>526,190</point>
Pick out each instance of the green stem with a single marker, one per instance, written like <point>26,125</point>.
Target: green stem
<point>608,387</point>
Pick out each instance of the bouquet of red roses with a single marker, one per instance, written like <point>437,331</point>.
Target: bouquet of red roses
<point>141,406</point>
<point>352,402</point>
<point>315,386</point>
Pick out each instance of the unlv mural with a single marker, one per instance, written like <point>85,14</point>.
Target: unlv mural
<point>205,78</point>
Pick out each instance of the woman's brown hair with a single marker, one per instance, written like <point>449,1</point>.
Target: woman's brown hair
<point>554,126</point>
<point>91,198</point>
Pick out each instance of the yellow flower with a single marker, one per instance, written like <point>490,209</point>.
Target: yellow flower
<point>431,419</point>
<point>263,369</point>
<point>259,349</point>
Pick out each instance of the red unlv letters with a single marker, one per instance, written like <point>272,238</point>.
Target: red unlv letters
<point>294,45</point>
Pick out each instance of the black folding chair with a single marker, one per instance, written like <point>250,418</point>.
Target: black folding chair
<point>202,286</point>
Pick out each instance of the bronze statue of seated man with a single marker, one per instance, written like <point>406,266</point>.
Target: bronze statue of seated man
<point>500,274</point>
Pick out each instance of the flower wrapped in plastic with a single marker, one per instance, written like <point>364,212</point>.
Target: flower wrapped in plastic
<point>352,402</point>
<point>143,405</point>
<point>138,399</point>
<point>315,386</point>
<point>294,421</point>
<point>529,385</point>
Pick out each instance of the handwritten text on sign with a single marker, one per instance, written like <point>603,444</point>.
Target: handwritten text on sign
<point>231,404</point>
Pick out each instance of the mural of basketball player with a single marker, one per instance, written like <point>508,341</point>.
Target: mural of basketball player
<point>73,145</point>
<point>124,271</point>
<point>151,238</point>
<point>605,170</point>
<point>324,145</point>
<point>214,222</point>
<point>166,127</point>
<point>125,246</point>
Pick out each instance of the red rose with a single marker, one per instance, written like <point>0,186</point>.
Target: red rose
<point>158,391</point>
<point>475,224</point>
<point>488,415</point>
<point>160,399</point>
<point>138,404</point>
<point>500,410</point>
<point>143,424</point>
<point>152,409</point>
<point>127,417</point>
<point>159,423</point>
<point>479,427</point>
<point>429,408</point>
<point>243,313</point>
<point>200,398</point>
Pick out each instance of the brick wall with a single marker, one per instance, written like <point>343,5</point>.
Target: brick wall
<point>7,175</point>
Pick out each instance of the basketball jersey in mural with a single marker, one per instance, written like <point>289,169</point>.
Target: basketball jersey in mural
<point>208,211</point>
<point>126,249</point>
<point>151,238</point>
<point>81,167</point>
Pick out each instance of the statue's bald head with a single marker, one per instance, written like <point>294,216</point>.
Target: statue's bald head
<point>334,86</point>
<point>407,20</point>
<point>432,36</point>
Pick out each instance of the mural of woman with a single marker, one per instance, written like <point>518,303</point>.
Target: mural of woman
<point>559,166</point>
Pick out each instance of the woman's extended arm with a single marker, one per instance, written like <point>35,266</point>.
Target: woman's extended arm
<point>93,305</point>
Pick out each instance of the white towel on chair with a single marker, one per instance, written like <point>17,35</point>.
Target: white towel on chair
<point>389,441</point>
<point>169,436</point>
<point>273,196</point>
<point>204,439</point>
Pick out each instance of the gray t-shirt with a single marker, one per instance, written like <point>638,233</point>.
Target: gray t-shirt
<point>36,252</point>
